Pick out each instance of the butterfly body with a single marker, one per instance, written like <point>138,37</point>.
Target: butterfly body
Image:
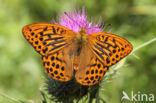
<point>66,54</point>
<point>81,35</point>
<point>79,44</point>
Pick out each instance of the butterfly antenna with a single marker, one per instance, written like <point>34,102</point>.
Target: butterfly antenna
<point>109,29</point>
<point>71,19</point>
<point>107,25</point>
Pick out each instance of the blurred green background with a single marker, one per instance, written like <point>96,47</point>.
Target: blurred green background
<point>21,70</point>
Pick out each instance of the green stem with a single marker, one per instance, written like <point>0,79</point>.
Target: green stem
<point>144,44</point>
<point>6,96</point>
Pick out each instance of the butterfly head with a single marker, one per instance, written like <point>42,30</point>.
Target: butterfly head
<point>81,35</point>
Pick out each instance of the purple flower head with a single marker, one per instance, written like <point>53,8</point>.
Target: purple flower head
<point>76,20</point>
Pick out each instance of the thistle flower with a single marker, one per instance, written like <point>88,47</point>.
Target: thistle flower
<point>76,20</point>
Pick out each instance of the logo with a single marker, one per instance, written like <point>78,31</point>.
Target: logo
<point>137,96</point>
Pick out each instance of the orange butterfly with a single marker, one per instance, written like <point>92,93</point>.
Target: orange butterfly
<point>66,54</point>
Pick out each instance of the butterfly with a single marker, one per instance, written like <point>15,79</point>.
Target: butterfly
<point>66,54</point>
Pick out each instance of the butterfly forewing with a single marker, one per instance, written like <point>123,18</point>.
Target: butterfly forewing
<point>109,48</point>
<point>53,42</point>
<point>48,38</point>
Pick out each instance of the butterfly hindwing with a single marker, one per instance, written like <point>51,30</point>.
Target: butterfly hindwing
<point>92,73</point>
<point>59,65</point>
<point>90,69</point>
<point>48,38</point>
<point>109,48</point>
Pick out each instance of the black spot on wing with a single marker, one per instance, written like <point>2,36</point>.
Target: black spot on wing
<point>53,29</point>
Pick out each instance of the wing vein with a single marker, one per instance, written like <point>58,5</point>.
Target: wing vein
<point>56,42</point>
<point>100,49</point>
<point>98,54</point>
<point>58,46</point>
